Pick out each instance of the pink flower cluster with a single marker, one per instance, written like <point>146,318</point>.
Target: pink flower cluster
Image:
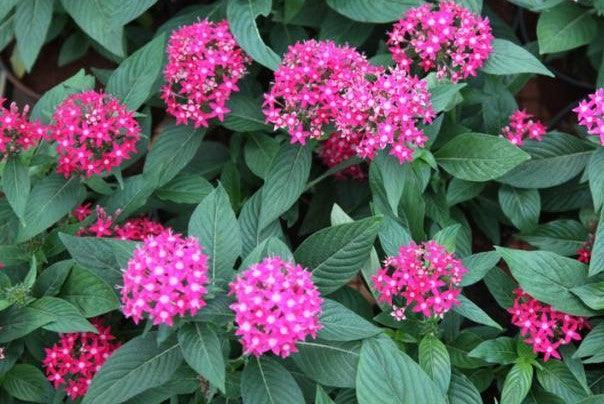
<point>17,133</point>
<point>277,305</point>
<point>385,112</point>
<point>307,91</point>
<point>425,276</point>
<point>77,357</point>
<point>521,126</point>
<point>204,65</point>
<point>94,133</point>
<point>321,86</point>
<point>543,327</point>
<point>444,37</point>
<point>134,229</point>
<point>337,149</point>
<point>591,114</point>
<point>166,277</point>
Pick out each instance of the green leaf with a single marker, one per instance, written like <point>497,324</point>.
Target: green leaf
<point>105,257</point>
<point>479,157</point>
<point>342,324</point>
<point>251,233</point>
<point>214,223</point>
<point>461,191</point>
<point>521,206</point>
<point>548,278</point>
<point>32,20</point>
<point>28,383</point>
<point>136,366</point>
<point>517,383</point>
<point>335,254</point>
<point>502,286</point>
<point>329,363</point>
<point>284,182</point>
<point>387,375</point>
<point>6,7</point>
<point>17,322</point>
<point>501,350</point>
<point>444,95</point>
<point>137,189</point>
<point>342,30</point>
<point>463,391</point>
<point>201,349</point>
<point>566,26</point>
<point>50,281</point>
<point>241,15</point>
<point>170,153</point>
<point>596,265</point>
<point>89,293</point>
<point>16,185</point>
<point>321,397</point>
<point>509,58</point>
<point>478,265</point>
<point>471,311</point>
<point>556,378</point>
<point>447,237</point>
<point>46,105</point>
<point>265,381</point>
<point>557,159</point>
<point>591,348</point>
<point>75,47</point>
<point>377,11</point>
<point>393,235</point>
<point>68,317</point>
<point>434,360</point>
<point>245,116</point>
<point>50,199</point>
<point>259,152</point>
<point>134,80</point>
<point>564,236</point>
<point>592,294</point>
<point>185,188</point>
<point>267,248</point>
<point>596,181</point>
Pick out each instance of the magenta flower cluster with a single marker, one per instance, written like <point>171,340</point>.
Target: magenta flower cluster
<point>444,37</point>
<point>134,229</point>
<point>386,112</point>
<point>423,277</point>
<point>77,357</point>
<point>204,65</point>
<point>277,305</point>
<point>522,125</point>
<point>337,149</point>
<point>165,278</point>
<point>94,133</point>
<point>591,114</point>
<point>17,133</point>
<point>306,95</point>
<point>543,327</point>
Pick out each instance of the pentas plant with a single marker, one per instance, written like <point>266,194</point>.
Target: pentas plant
<point>204,65</point>
<point>94,133</point>
<point>338,201</point>
<point>17,133</point>
<point>543,327</point>
<point>424,278</point>
<point>276,306</point>
<point>522,126</point>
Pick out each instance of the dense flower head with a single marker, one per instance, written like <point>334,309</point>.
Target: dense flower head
<point>277,305</point>
<point>386,112</point>
<point>444,37</point>
<point>590,112</point>
<point>521,126</point>
<point>134,229</point>
<point>165,278</point>
<point>17,133</point>
<point>543,327</point>
<point>337,149</point>
<point>424,277</point>
<point>306,94</point>
<point>94,133</point>
<point>204,65</point>
<point>77,357</point>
